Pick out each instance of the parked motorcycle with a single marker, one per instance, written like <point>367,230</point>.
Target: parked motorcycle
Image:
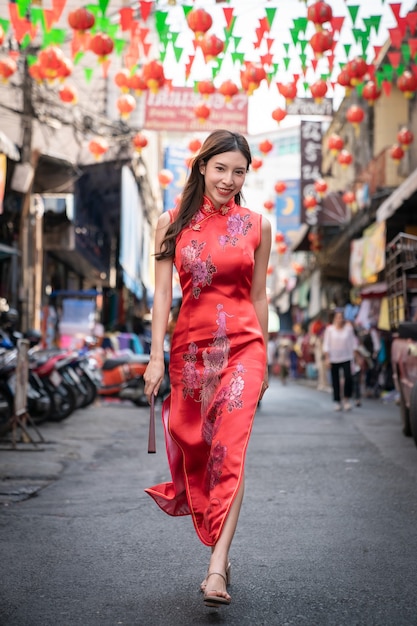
<point>122,377</point>
<point>63,399</point>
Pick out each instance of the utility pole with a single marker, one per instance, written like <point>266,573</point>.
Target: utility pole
<point>27,167</point>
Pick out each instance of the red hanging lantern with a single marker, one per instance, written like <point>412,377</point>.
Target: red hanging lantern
<point>320,187</point>
<point>279,237</point>
<point>165,178</point>
<point>280,187</point>
<point>396,153</point>
<point>252,76</point>
<point>36,72</point>
<point>288,90</point>
<point>343,79</point>
<point>228,89</point>
<point>349,199</point>
<point>8,67</point>
<point>139,142</point>
<point>68,94</point>
<point>81,19</point>
<point>121,79</point>
<point>279,114</point>
<point>98,146</point>
<point>335,144</point>
<point>356,69</point>
<point>51,59</point>
<point>199,21</point>
<point>310,202</point>
<point>205,88</point>
<point>126,104</point>
<point>211,46</point>
<point>265,147</point>
<point>269,205</point>
<point>153,74</point>
<point>321,42</point>
<point>270,270</point>
<point>102,45</point>
<point>256,164</point>
<point>298,268</point>
<point>66,68</point>
<point>407,83</point>
<point>318,90</point>
<point>194,145</point>
<point>344,158</point>
<point>405,137</point>
<point>370,92</point>
<point>137,84</point>
<point>355,115</point>
<point>202,111</point>
<point>282,248</point>
<point>319,13</point>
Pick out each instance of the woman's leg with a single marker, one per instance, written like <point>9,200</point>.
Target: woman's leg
<point>215,584</point>
<point>334,371</point>
<point>347,374</point>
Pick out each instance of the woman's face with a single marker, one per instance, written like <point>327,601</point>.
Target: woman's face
<point>224,175</point>
<point>338,319</point>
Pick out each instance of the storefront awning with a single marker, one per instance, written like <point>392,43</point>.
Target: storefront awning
<point>8,148</point>
<point>397,198</point>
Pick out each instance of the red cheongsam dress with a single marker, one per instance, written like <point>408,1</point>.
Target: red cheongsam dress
<point>217,365</point>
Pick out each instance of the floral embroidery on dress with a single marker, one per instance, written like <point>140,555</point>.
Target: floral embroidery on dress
<point>190,374</point>
<point>201,271</point>
<point>236,388</point>
<point>236,225</point>
<point>215,464</point>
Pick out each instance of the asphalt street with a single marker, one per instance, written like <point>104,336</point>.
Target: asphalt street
<point>327,534</point>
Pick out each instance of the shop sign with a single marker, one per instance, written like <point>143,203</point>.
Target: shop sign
<point>311,154</point>
<point>173,110</point>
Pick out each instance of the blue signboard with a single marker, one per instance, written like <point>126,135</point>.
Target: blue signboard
<point>175,160</point>
<point>287,208</point>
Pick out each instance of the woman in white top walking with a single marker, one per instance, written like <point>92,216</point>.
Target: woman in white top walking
<point>338,347</point>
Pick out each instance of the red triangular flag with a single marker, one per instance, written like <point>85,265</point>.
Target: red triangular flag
<point>394,58</point>
<point>411,20</point>
<point>57,7</point>
<point>386,86</point>
<point>413,47</point>
<point>228,14</point>
<point>145,9</point>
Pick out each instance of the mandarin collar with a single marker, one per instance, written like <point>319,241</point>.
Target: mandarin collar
<point>208,207</point>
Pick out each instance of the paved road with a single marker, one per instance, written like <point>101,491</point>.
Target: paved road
<point>327,534</point>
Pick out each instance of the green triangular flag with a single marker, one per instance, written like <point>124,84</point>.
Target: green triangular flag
<point>178,52</point>
<point>37,16</point>
<point>186,9</point>
<point>78,57</point>
<point>306,86</point>
<point>270,14</point>
<point>376,22</point>
<point>301,24</point>
<point>54,37</point>
<point>231,25</point>
<point>237,41</point>
<point>22,7</point>
<point>88,73</point>
<point>294,35</point>
<point>353,10</point>
<point>388,71</point>
<point>25,41</point>
<point>303,43</point>
<point>379,78</point>
<point>286,47</point>
<point>103,5</point>
<point>405,50</point>
<point>160,23</point>
<point>347,47</point>
<point>359,89</point>
<point>4,24</point>
<point>119,45</point>
<point>238,57</point>
<point>287,62</point>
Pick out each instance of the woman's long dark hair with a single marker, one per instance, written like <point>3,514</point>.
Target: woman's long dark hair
<point>216,143</point>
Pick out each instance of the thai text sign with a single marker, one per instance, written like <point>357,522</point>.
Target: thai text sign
<point>173,110</point>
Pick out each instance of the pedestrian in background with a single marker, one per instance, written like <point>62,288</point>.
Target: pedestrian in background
<point>218,361</point>
<point>338,346</point>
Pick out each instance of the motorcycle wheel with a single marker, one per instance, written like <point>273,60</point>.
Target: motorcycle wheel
<point>91,391</point>
<point>64,405</point>
<point>6,412</point>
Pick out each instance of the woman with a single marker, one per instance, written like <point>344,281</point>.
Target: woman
<point>218,367</point>
<point>338,347</point>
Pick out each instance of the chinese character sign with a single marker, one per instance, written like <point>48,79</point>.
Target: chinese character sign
<point>311,153</point>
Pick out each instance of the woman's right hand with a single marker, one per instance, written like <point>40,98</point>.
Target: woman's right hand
<point>153,376</point>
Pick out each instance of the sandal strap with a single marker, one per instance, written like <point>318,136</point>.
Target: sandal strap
<point>216,574</point>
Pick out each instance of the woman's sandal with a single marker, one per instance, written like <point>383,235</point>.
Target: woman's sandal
<point>215,600</point>
<point>228,578</point>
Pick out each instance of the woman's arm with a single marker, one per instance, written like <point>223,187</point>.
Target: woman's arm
<point>258,291</point>
<point>160,313</point>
